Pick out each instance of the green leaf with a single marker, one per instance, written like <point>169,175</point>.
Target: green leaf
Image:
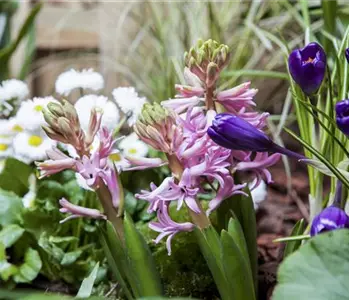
<point>236,268</point>
<point>14,176</point>
<point>30,268</point>
<point>141,260</point>
<point>6,269</point>
<point>10,234</point>
<point>51,249</point>
<point>318,270</point>
<point>71,257</point>
<point>116,258</point>
<point>6,53</point>
<point>85,289</point>
<point>292,246</point>
<point>245,213</point>
<point>235,231</point>
<point>211,249</point>
<point>10,208</point>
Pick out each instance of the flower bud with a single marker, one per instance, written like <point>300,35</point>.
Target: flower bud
<point>308,67</point>
<point>342,116</point>
<point>156,127</point>
<point>233,132</point>
<point>347,54</point>
<point>330,218</point>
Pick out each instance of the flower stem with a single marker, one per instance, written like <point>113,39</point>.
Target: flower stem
<point>109,210</point>
<point>209,98</point>
<point>199,219</point>
<point>285,151</point>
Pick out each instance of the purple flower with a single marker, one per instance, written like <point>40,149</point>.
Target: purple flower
<point>78,211</point>
<point>330,218</point>
<point>225,191</point>
<point>259,166</point>
<point>169,190</point>
<point>167,227</point>
<point>307,67</point>
<point>342,116</point>
<point>347,54</point>
<point>232,132</point>
<point>238,97</point>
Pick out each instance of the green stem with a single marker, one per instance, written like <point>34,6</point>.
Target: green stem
<point>109,210</point>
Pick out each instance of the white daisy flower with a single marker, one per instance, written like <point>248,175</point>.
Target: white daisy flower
<point>72,79</point>
<point>6,149</point>
<point>32,146</point>
<point>259,194</point>
<point>85,104</point>
<point>133,146</point>
<point>29,115</point>
<point>129,102</point>
<point>13,89</point>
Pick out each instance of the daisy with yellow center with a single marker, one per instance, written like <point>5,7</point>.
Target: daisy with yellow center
<point>32,146</point>
<point>29,115</point>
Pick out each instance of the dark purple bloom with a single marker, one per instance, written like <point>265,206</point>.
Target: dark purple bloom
<point>233,132</point>
<point>307,67</point>
<point>347,54</point>
<point>330,218</point>
<point>342,116</point>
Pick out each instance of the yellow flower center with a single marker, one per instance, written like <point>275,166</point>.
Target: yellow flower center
<point>309,60</point>
<point>35,141</point>
<point>132,151</point>
<point>38,108</point>
<point>99,109</point>
<point>115,157</point>
<point>3,147</point>
<point>17,128</point>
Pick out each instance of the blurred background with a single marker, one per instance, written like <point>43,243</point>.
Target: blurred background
<point>141,43</point>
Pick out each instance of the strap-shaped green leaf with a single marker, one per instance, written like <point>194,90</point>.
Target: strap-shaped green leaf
<point>237,269</point>
<point>292,246</point>
<point>116,257</point>
<point>141,261</point>
<point>211,249</point>
<point>245,213</point>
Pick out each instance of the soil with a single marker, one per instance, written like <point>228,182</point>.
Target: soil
<point>276,217</point>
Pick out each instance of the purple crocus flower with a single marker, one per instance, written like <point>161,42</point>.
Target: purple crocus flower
<point>233,132</point>
<point>330,218</point>
<point>347,54</point>
<point>342,116</point>
<point>307,67</point>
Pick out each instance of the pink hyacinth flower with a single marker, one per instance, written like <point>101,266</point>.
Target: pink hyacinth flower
<point>167,227</point>
<point>238,97</point>
<point>58,162</point>
<point>227,190</point>
<point>78,211</point>
<point>90,169</point>
<point>142,163</point>
<point>259,166</point>
<point>168,190</point>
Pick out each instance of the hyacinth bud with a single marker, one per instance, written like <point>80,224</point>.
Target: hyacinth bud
<point>64,126</point>
<point>212,74</point>
<point>201,58</point>
<point>156,126</point>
